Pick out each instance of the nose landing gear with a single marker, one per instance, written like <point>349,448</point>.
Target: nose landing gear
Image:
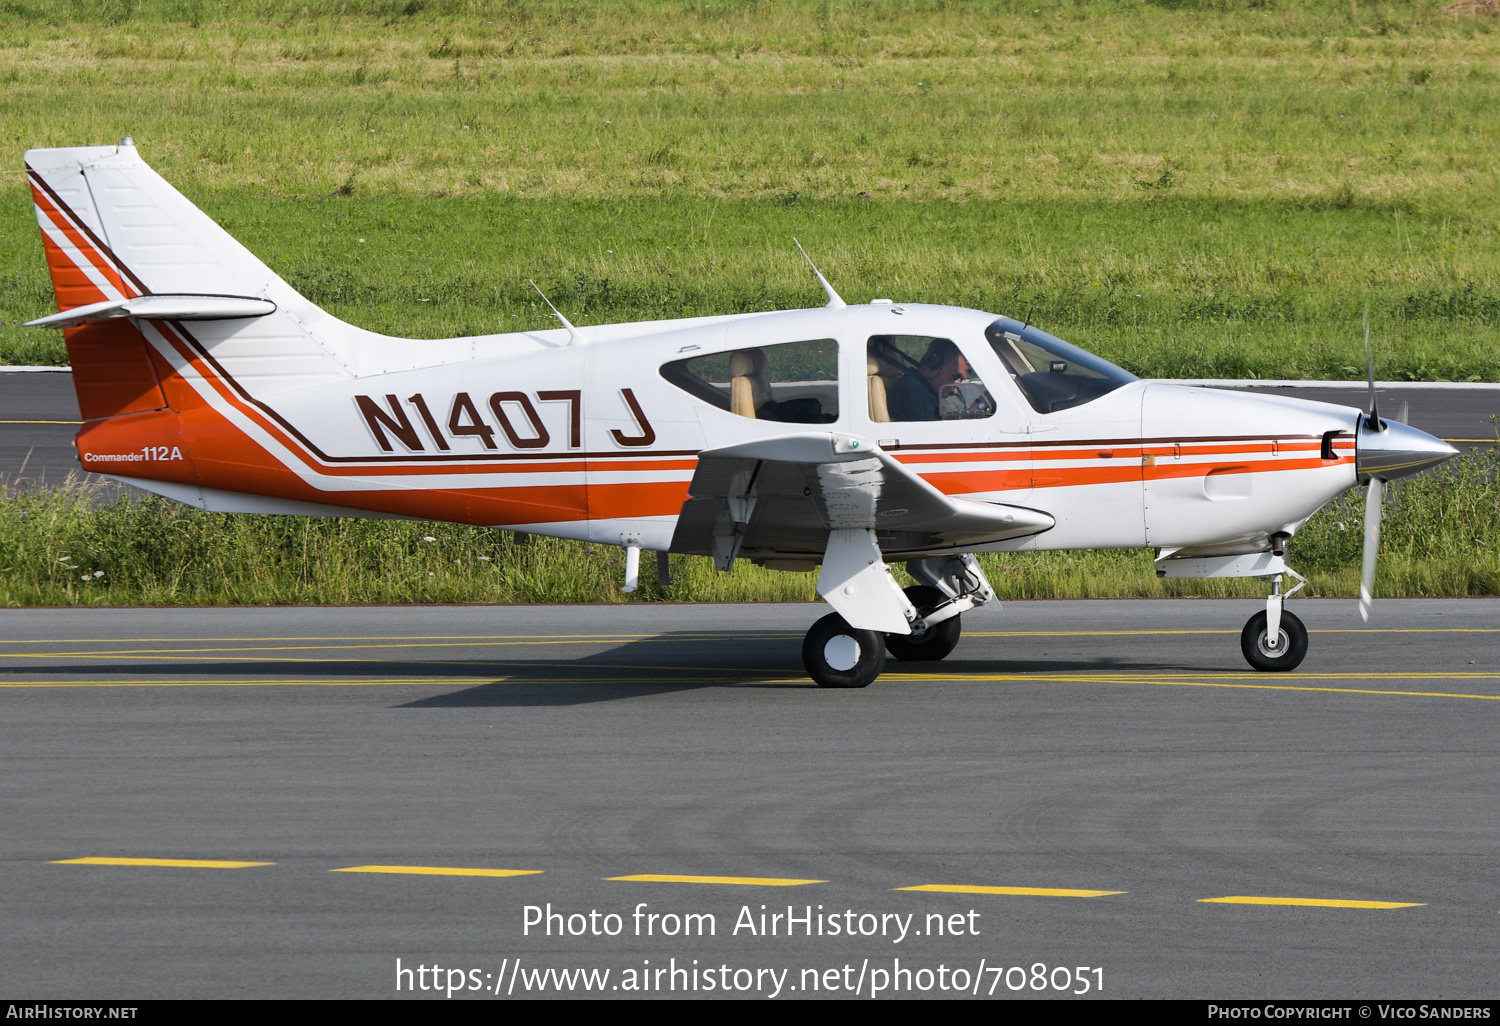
<point>1273,640</point>
<point>1285,654</point>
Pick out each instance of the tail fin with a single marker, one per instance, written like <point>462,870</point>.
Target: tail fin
<point>115,230</point>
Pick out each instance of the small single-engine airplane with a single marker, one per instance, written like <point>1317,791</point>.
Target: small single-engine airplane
<point>839,439</point>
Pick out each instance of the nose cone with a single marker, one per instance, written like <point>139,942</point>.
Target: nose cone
<point>1397,450</point>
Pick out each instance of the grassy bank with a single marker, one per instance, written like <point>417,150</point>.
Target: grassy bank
<point>1191,189</point>
<point>58,548</point>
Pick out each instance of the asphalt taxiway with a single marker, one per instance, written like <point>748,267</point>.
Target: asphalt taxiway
<point>1102,784</point>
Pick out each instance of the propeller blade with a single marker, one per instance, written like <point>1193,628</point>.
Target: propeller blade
<point>1374,418</point>
<point>1374,496</point>
<point>1404,414</point>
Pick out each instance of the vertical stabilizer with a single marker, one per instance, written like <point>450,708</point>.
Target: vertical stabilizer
<point>114,229</point>
<point>120,226</point>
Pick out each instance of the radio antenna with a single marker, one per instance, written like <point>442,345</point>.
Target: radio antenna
<point>835,301</point>
<point>573,337</point>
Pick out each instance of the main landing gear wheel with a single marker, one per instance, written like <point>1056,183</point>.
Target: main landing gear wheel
<point>839,656</point>
<point>1291,644</point>
<point>935,642</point>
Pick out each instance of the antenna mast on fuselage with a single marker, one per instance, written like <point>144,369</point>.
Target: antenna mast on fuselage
<point>835,301</point>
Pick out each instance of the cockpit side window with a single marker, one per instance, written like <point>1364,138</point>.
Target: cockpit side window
<point>917,377</point>
<point>1053,375</point>
<point>789,382</point>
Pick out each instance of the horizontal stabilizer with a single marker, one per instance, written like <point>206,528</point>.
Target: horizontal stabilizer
<point>160,308</point>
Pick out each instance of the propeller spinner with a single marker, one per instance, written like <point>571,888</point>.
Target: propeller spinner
<point>1384,451</point>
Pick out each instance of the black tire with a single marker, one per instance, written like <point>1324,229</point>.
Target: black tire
<point>839,656</point>
<point>935,642</point>
<point>1289,652</point>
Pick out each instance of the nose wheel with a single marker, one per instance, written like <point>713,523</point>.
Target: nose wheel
<point>839,656</point>
<point>1285,653</point>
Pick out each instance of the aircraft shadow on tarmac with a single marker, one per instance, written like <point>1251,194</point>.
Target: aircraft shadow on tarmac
<point>661,664</point>
<point>559,683</point>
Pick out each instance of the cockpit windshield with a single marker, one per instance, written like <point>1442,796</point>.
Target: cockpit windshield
<point>1053,375</point>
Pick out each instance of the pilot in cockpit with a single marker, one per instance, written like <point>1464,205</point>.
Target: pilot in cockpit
<point>932,392</point>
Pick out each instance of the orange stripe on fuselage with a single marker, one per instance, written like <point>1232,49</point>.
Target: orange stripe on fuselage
<point>1052,466</point>
<point>979,481</point>
<point>223,456</point>
<point>629,501</point>
<point>219,455</point>
<point>227,458</point>
<point>300,447</point>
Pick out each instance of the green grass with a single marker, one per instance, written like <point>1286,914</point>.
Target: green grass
<point>1441,536</point>
<point>1191,189</point>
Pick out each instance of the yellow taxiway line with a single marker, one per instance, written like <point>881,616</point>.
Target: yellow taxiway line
<point>717,676</point>
<point>1317,630</point>
<point>438,871</point>
<point>145,653</point>
<point>423,638</point>
<point>1163,681</point>
<point>173,863</point>
<point>1242,899</point>
<point>331,682</point>
<point>1033,892</point>
<point>356,682</point>
<point>740,881</point>
<point>508,641</point>
<point>186,653</point>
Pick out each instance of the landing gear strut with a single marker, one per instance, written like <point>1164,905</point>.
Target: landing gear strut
<point>951,585</point>
<point>1273,640</point>
<point>920,623</point>
<point>931,643</point>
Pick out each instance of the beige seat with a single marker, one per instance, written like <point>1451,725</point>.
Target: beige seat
<point>748,388</point>
<point>879,412</point>
<point>883,375</point>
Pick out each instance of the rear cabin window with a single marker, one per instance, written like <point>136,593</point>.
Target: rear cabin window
<point>918,377</point>
<point>1054,375</point>
<point>789,382</point>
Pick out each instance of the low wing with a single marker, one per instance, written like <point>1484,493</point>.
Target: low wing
<point>779,498</point>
